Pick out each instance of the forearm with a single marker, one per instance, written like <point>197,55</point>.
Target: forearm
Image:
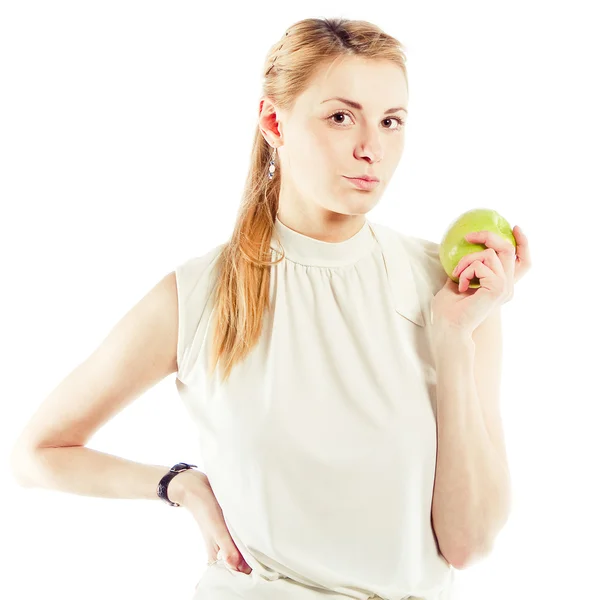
<point>470,492</point>
<point>87,472</point>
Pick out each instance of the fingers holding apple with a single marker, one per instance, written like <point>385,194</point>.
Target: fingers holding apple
<point>473,236</point>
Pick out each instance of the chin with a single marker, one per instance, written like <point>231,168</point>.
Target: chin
<point>356,207</point>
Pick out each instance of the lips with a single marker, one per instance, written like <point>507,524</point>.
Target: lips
<point>362,184</point>
<point>364,178</point>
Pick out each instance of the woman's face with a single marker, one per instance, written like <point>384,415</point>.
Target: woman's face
<point>322,141</point>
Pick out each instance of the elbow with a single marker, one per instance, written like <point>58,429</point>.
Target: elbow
<point>21,465</point>
<point>466,556</point>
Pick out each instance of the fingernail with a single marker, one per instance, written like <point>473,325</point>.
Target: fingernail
<point>243,566</point>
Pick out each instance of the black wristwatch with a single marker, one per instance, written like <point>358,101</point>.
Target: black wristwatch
<point>163,484</point>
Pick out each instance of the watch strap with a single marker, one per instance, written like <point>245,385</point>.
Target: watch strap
<point>163,484</point>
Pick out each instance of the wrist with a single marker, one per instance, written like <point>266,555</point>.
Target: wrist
<point>445,335</point>
<point>444,327</point>
<point>186,486</point>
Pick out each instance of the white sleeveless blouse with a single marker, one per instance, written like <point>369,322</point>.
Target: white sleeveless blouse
<point>321,447</point>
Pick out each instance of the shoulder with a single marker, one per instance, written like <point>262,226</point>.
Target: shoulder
<point>196,266</point>
<point>423,256</point>
<point>196,275</point>
<point>426,254</point>
<point>195,280</point>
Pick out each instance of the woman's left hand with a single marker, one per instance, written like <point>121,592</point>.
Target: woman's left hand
<point>498,267</point>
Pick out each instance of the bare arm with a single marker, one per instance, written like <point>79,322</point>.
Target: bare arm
<point>137,353</point>
<point>88,472</point>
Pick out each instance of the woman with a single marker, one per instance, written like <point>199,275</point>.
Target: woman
<point>319,430</point>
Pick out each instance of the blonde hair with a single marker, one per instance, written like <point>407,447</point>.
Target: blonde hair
<point>244,266</point>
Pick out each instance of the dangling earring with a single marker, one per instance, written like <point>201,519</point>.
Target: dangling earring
<point>272,164</point>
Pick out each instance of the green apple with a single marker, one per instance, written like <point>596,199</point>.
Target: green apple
<point>454,246</point>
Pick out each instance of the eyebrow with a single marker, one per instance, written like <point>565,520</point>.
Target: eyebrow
<point>360,107</point>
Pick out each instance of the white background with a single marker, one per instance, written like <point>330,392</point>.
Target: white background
<point>125,137</point>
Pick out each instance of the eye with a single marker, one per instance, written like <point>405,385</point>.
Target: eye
<point>398,119</point>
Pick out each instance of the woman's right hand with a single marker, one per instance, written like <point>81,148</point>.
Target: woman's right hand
<point>195,493</point>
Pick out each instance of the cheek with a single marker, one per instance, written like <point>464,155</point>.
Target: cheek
<point>321,143</point>
<point>322,153</point>
<point>333,157</point>
<point>321,160</point>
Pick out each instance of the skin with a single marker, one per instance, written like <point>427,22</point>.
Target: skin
<point>316,149</point>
